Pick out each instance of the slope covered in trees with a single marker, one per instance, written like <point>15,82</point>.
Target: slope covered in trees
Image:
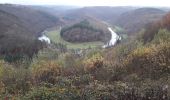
<point>19,28</point>
<point>86,31</point>
<point>107,14</point>
<point>153,28</point>
<point>133,21</point>
<point>29,17</point>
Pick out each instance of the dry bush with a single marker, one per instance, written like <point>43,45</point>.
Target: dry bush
<point>46,71</point>
<point>152,61</point>
<point>93,63</point>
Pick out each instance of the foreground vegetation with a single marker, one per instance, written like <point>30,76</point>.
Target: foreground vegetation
<point>130,70</point>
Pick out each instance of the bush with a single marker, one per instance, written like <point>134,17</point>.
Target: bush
<point>14,80</point>
<point>45,71</point>
<point>150,61</point>
<point>161,37</point>
<point>54,93</point>
<point>93,63</point>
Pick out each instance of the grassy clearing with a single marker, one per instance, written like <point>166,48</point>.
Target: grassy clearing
<point>55,37</point>
<point>118,29</point>
<point>121,32</point>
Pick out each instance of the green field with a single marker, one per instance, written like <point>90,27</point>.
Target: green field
<point>55,37</point>
<point>121,32</point>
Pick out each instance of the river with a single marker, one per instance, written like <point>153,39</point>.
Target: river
<point>113,40</point>
<point>44,38</point>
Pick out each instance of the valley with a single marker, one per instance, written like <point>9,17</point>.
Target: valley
<point>50,52</point>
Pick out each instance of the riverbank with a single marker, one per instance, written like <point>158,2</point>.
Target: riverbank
<point>55,37</point>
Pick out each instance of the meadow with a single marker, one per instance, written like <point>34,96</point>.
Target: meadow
<point>55,37</point>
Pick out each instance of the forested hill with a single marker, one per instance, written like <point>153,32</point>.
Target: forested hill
<point>134,20</point>
<point>108,14</point>
<point>19,28</point>
<point>86,31</point>
<point>131,19</point>
<point>28,17</point>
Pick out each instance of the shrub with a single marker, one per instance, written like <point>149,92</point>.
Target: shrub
<point>54,93</point>
<point>45,71</point>
<point>15,80</point>
<point>152,61</point>
<point>162,36</point>
<point>93,63</point>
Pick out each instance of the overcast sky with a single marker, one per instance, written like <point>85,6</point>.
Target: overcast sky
<point>92,2</point>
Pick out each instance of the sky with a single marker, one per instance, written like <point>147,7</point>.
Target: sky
<point>160,3</point>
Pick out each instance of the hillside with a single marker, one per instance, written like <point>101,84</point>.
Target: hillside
<point>86,31</point>
<point>153,28</point>
<point>19,28</point>
<point>29,17</point>
<point>135,20</point>
<point>131,19</point>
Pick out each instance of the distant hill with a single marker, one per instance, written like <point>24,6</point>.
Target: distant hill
<point>108,14</point>
<point>131,19</point>
<point>86,31</point>
<point>135,20</point>
<point>57,11</point>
